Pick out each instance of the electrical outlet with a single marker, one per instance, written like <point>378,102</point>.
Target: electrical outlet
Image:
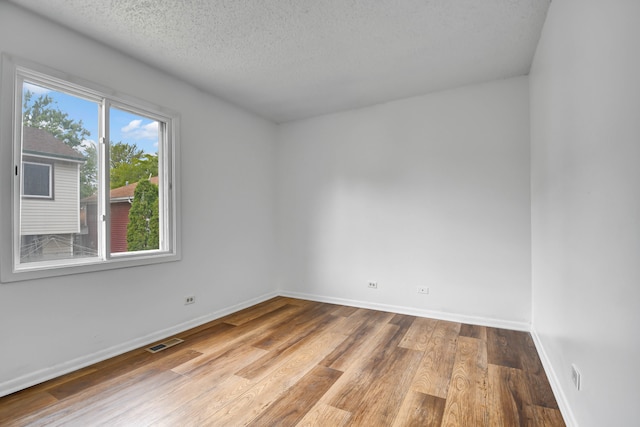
<point>575,377</point>
<point>373,285</point>
<point>423,290</point>
<point>189,300</point>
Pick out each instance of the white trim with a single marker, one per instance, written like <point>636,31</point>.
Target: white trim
<point>441,315</point>
<point>558,392</point>
<point>55,371</point>
<point>52,157</point>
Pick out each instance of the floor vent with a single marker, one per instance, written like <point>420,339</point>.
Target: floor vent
<point>164,345</point>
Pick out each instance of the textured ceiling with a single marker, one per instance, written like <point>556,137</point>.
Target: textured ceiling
<point>291,59</point>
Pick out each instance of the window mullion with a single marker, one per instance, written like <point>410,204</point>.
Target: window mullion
<point>104,181</point>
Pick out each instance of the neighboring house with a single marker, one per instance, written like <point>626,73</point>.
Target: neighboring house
<point>121,199</point>
<point>50,210</point>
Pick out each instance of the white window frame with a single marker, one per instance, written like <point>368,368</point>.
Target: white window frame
<point>13,72</point>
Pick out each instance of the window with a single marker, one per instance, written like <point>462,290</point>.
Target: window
<point>36,180</point>
<point>94,182</point>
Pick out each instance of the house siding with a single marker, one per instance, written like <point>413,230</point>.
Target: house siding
<point>60,215</point>
<point>119,223</point>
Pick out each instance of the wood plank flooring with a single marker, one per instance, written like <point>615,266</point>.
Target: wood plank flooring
<point>290,362</point>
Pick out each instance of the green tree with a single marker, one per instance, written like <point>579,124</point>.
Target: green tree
<point>154,223</point>
<point>43,113</point>
<point>121,153</point>
<point>142,231</point>
<point>89,171</point>
<point>130,164</point>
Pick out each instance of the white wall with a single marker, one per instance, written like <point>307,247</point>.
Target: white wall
<point>585,128</point>
<point>426,191</point>
<point>227,222</point>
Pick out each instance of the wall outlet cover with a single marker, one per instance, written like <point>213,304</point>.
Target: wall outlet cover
<point>575,377</point>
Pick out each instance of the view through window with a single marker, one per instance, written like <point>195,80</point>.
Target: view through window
<point>66,209</point>
<point>134,197</point>
<point>59,170</point>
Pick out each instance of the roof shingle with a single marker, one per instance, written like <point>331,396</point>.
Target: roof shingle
<point>39,141</point>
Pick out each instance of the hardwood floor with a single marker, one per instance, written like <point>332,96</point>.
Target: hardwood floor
<point>289,362</point>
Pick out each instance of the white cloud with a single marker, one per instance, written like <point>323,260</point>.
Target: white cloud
<point>136,130</point>
<point>132,126</point>
<point>37,90</point>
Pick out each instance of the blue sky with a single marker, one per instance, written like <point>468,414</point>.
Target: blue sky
<point>125,127</point>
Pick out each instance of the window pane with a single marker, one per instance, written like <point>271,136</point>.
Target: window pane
<point>58,175</point>
<point>134,200</point>
<point>36,180</point>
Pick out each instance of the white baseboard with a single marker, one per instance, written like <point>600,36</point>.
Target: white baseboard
<point>558,391</point>
<point>453,317</point>
<point>46,374</point>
